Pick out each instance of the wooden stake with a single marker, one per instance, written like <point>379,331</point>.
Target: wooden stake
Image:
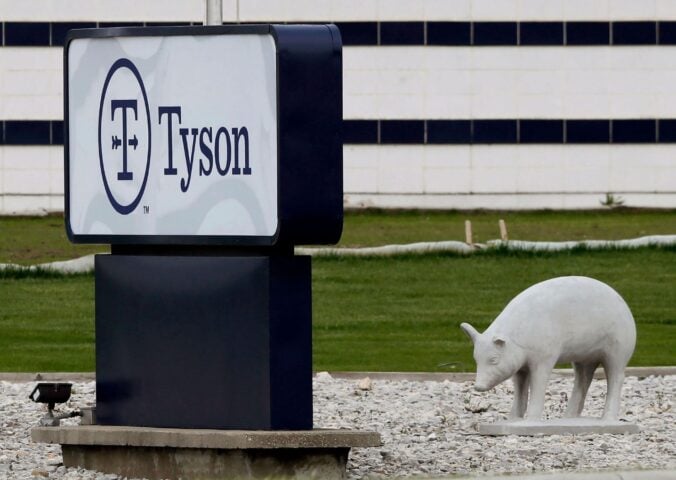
<point>468,232</point>
<point>503,230</point>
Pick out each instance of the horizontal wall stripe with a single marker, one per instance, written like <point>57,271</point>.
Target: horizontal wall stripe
<point>45,34</point>
<point>635,33</point>
<point>541,131</point>
<point>402,131</point>
<point>444,33</point>
<point>401,33</point>
<point>446,131</point>
<point>514,131</point>
<point>432,132</point>
<point>541,33</point>
<point>495,33</point>
<point>411,33</point>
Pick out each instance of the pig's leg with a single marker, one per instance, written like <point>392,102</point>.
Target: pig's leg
<point>614,378</point>
<point>538,379</point>
<point>584,372</point>
<point>520,380</point>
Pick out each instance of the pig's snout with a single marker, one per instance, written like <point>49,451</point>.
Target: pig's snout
<point>481,387</point>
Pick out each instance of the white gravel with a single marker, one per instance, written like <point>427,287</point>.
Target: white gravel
<point>428,428</point>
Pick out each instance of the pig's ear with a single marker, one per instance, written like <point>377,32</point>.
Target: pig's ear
<point>470,331</point>
<point>499,341</point>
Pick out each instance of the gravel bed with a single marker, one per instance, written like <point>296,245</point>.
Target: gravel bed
<point>428,428</point>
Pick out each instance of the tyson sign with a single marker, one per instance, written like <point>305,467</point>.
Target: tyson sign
<point>194,135</point>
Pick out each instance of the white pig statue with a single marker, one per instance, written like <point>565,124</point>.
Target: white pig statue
<point>565,319</point>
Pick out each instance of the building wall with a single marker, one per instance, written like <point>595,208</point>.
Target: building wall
<point>447,103</point>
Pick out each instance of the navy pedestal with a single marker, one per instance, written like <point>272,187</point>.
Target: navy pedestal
<point>218,342</point>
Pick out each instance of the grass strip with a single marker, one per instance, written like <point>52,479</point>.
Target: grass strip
<point>381,314</point>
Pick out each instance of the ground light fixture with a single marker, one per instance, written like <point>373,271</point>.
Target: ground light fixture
<point>51,394</point>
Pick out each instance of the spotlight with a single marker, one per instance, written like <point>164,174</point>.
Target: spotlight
<point>51,394</point>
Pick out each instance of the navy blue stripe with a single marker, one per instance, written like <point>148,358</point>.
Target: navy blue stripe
<point>358,33</point>
<point>667,33</point>
<point>402,131</point>
<point>360,131</point>
<point>494,131</point>
<point>433,132</point>
<point>495,33</point>
<point>26,34</point>
<point>634,33</point>
<point>587,131</point>
<point>412,32</point>
<point>449,33</point>
<point>57,133</point>
<point>541,33</point>
<point>449,131</point>
<point>402,33</point>
<point>666,131</point>
<point>21,132</point>
<point>541,131</point>
<point>587,33</point>
<point>634,131</point>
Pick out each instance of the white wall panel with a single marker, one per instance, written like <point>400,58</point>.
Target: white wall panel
<point>31,170</point>
<point>632,9</point>
<point>337,10</point>
<point>510,82</point>
<point>495,9</point>
<point>509,169</point>
<point>31,83</point>
<point>540,10</point>
<point>569,201</point>
<point>109,10</point>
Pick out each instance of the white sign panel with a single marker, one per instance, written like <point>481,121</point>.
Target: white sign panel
<point>172,136</point>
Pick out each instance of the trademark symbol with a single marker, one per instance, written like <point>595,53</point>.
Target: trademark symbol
<point>146,209</point>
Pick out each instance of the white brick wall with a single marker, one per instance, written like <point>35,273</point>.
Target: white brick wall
<point>412,83</point>
<point>432,82</point>
<point>31,179</point>
<point>509,169</point>
<point>509,82</point>
<point>31,83</point>
<point>338,10</point>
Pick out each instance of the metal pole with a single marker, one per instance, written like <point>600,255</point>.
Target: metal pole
<point>213,12</point>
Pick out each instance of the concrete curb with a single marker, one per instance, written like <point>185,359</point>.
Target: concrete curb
<point>395,376</point>
<point>196,438</point>
<point>623,475</point>
<point>469,376</point>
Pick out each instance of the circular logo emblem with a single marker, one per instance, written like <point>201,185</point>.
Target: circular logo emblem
<point>124,136</point>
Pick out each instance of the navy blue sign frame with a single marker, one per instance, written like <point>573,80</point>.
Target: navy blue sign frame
<point>309,135</point>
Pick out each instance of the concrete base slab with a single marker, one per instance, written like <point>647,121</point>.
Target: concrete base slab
<point>159,453</point>
<point>557,426</point>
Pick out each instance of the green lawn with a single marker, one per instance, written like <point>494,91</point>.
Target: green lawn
<point>30,240</point>
<point>404,313</point>
<point>369,313</point>
<point>398,313</point>
<point>47,324</point>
